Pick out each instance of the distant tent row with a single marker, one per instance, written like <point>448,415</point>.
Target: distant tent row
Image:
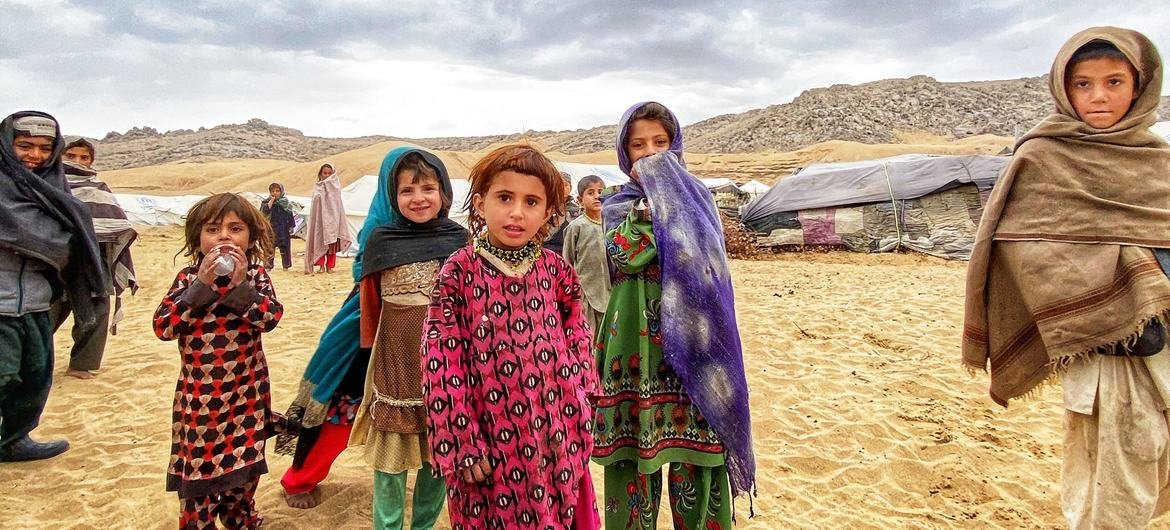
<point>158,210</point>
<point>928,203</point>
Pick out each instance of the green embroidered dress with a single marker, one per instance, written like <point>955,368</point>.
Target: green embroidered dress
<point>643,413</point>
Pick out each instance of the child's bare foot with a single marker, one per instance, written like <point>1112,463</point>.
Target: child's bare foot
<point>80,374</point>
<point>302,501</point>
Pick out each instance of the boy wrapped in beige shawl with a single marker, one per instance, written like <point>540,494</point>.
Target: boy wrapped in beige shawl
<point>1063,281</point>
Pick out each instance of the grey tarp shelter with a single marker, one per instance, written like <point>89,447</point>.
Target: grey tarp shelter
<point>927,203</point>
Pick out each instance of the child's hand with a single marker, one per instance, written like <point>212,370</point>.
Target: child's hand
<point>206,272</point>
<point>477,472</point>
<point>240,272</point>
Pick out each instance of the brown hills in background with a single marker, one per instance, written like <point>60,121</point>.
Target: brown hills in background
<point>841,122</point>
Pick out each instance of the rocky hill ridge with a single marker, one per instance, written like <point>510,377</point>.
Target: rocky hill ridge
<point>874,112</point>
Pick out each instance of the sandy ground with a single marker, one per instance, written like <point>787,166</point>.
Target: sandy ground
<point>861,413</point>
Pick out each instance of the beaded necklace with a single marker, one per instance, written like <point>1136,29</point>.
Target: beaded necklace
<point>514,258</point>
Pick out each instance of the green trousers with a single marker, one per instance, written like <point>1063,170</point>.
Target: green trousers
<point>390,499</point>
<point>26,373</point>
<point>700,497</point>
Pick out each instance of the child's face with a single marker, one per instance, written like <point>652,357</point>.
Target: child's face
<point>325,173</point>
<point>1101,90</point>
<point>514,208</point>
<point>646,137</point>
<point>79,155</point>
<point>591,199</point>
<point>274,192</point>
<point>418,201</point>
<point>230,230</point>
<point>32,151</point>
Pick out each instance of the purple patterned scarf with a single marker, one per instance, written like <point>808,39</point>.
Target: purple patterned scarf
<point>700,336</point>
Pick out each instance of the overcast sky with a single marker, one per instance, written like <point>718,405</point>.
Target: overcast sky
<point>447,67</point>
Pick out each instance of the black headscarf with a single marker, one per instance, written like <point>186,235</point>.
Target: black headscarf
<point>40,219</point>
<point>403,241</point>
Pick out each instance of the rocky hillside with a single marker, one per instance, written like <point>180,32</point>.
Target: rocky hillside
<point>145,146</point>
<point>870,113</point>
<point>875,112</point>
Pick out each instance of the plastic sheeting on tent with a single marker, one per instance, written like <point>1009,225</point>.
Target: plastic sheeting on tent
<point>887,179</point>
<point>931,204</point>
<point>755,188</point>
<point>1162,129</point>
<point>612,175</point>
<point>154,210</point>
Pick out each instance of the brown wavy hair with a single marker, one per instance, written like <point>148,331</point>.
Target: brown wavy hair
<point>524,159</point>
<point>213,209</point>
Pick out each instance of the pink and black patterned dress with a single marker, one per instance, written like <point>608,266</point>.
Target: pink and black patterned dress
<point>222,398</point>
<point>507,369</point>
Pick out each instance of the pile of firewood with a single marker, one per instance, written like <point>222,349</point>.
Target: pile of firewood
<point>739,239</point>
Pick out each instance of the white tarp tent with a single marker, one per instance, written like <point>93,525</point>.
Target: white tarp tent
<point>612,175</point>
<point>1162,129</point>
<point>158,211</point>
<point>755,188</point>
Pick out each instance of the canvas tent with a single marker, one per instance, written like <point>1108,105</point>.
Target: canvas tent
<point>927,203</point>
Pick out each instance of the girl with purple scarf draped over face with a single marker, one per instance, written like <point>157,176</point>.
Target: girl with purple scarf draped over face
<point>673,389</point>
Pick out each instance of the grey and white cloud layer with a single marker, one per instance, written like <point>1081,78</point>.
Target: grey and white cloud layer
<point>447,67</point>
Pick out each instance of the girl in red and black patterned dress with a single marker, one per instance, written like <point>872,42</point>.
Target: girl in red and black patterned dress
<point>217,308</point>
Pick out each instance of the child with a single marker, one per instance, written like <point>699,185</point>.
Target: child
<point>556,239</point>
<point>47,245</point>
<point>328,231</point>
<point>79,151</point>
<point>222,411</point>
<point>280,215</point>
<point>585,250</point>
<point>331,389</point>
<point>673,389</point>
<point>401,262</point>
<point>1065,277</point>
<point>506,365</point>
<point>114,236</point>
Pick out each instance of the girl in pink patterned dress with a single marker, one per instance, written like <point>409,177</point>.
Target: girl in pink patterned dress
<point>507,365</point>
<point>223,406</point>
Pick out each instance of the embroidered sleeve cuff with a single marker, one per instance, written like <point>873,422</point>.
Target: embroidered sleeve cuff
<point>242,297</point>
<point>199,295</point>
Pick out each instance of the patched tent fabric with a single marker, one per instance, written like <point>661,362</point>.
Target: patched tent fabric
<point>926,203</point>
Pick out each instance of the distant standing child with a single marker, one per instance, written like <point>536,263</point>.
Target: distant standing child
<point>556,239</point>
<point>1068,277</point>
<point>280,216</point>
<point>673,389</point>
<point>114,236</point>
<point>47,245</point>
<point>585,250</point>
<point>506,363</point>
<point>223,411</point>
<point>328,231</point>
<point>401,264</point>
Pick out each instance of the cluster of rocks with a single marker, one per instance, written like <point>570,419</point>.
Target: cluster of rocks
<point>145,146</point>
<point>870,113</point>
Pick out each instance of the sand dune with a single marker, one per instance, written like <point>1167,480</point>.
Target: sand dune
<point>862,416</point>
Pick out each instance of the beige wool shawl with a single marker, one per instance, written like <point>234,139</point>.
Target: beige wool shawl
<point>327,221</point>
<point>1062,265</point>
